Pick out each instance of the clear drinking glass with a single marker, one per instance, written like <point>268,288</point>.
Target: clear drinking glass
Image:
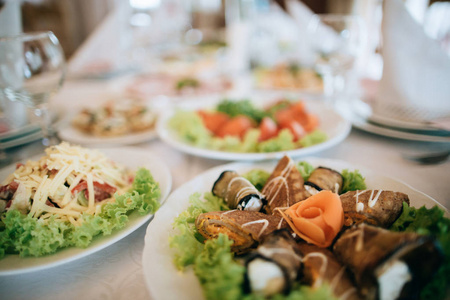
<point>337,41</point>
<point>32,69</point>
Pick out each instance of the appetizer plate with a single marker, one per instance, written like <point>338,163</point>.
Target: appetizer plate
<point>130,157</point>
<point>160,273</point>
<point>73,135</point>
<point>333,124</point>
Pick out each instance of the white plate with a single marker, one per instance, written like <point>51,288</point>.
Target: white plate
<point>130,157</point>
<point>73,135</point>
<point>333,124</point>
<point>361,123</point>
<point>160,273</point>
<point>365,111</point>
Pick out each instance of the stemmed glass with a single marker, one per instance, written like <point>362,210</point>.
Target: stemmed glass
<point>337,41</point>
<point>32,69</point>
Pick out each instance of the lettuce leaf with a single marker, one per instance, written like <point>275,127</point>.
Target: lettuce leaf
<point>305,169</point>
<point>29,236</point>
<point>430,222</point>
<point>313,138</point>
<point>257,177</point>
<point>352,181</point>
<point>188,243</point>
<point>284,141</point>
<point>190,128</point>
<point>219,274</point>
<point>242,107</point>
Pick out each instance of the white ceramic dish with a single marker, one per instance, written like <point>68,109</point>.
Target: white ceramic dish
<point>160,273</point>
<point>130,157</point>
<point>71,134</point>
<point>365,111</point>
<point>362,123</point>
<point>333,124</point>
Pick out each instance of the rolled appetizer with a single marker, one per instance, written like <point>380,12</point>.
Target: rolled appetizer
<point>244,228</point>
<point>324,179</point>
<point>386,264</point>
<point>321,266</point>
<point>274,266</point>
<point>238,192</point>
<point>284,186</point>
<point>375,207</point>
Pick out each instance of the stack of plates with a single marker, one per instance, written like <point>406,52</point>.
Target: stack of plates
<point>19,136</point>
<point>362,116</point>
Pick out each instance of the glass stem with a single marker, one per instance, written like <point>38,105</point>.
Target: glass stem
<point>329,86</point>
<point>49,135</point>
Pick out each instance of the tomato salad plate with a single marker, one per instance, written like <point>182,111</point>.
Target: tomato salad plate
<point>72,202</point>
<point>252,129</point>
<point>220,235</point>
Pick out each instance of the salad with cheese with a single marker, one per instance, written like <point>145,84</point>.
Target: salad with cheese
<point>67,197</point>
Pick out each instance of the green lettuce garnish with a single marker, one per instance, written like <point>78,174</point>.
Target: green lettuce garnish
<point>352,181</point>
<point>257,177</point>
<point>429,222</point>
<point>313,138</point>
<point>243,107</point>
<point>189,243</point>
<point>305,169</point>
<point>190,128</point>
<point>219,274</point>
<point>29,236</point>
<point>282,142</point>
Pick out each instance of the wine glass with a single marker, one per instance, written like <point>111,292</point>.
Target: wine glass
<point>337,41</point>
<point>32,69</point>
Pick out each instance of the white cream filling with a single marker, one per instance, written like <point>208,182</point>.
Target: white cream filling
<point>265,277</point>
<point>253,204</point>
<point>392,279</point>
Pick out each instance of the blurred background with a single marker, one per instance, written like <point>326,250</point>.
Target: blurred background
<point>73,20</point>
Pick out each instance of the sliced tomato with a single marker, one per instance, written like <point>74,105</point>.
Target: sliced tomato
<point>268,128</point>
<point>213,120</point>
<point>312,123</point>
<point>80,187</point>
<point>101,190</point>
<point>284,117</point>
<point>296,129</point>
<point>236,126</point>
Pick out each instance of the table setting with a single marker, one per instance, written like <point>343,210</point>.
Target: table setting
<point>150,169</point>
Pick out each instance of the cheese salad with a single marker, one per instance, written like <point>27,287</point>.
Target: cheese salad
<point>65,183</point>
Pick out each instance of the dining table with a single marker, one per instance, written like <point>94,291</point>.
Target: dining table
<point>116,272</point>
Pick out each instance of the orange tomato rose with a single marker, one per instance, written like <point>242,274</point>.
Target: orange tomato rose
<point>317,219</point>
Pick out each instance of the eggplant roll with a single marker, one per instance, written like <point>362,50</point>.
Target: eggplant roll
<point>284,186</point>
<point>386,264</point>
<point>274,266</point>
<point>324,179</point>
<point>238,192</point>
<point>245,228</point>
<point>375,207</point>
<point>321,266</point>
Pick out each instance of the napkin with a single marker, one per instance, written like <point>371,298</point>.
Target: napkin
<point>415,84</point>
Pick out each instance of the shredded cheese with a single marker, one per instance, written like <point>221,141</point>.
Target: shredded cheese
<point>52,182</point>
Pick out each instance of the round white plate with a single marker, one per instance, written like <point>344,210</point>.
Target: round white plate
<point>73,135</point>
<point>333,124</point>
<point>365,111</point>
<point>361,123</point>
<point>130,157</point>
<point>160,273</point>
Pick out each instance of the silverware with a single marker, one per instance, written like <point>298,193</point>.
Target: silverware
<point>427,158</point>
